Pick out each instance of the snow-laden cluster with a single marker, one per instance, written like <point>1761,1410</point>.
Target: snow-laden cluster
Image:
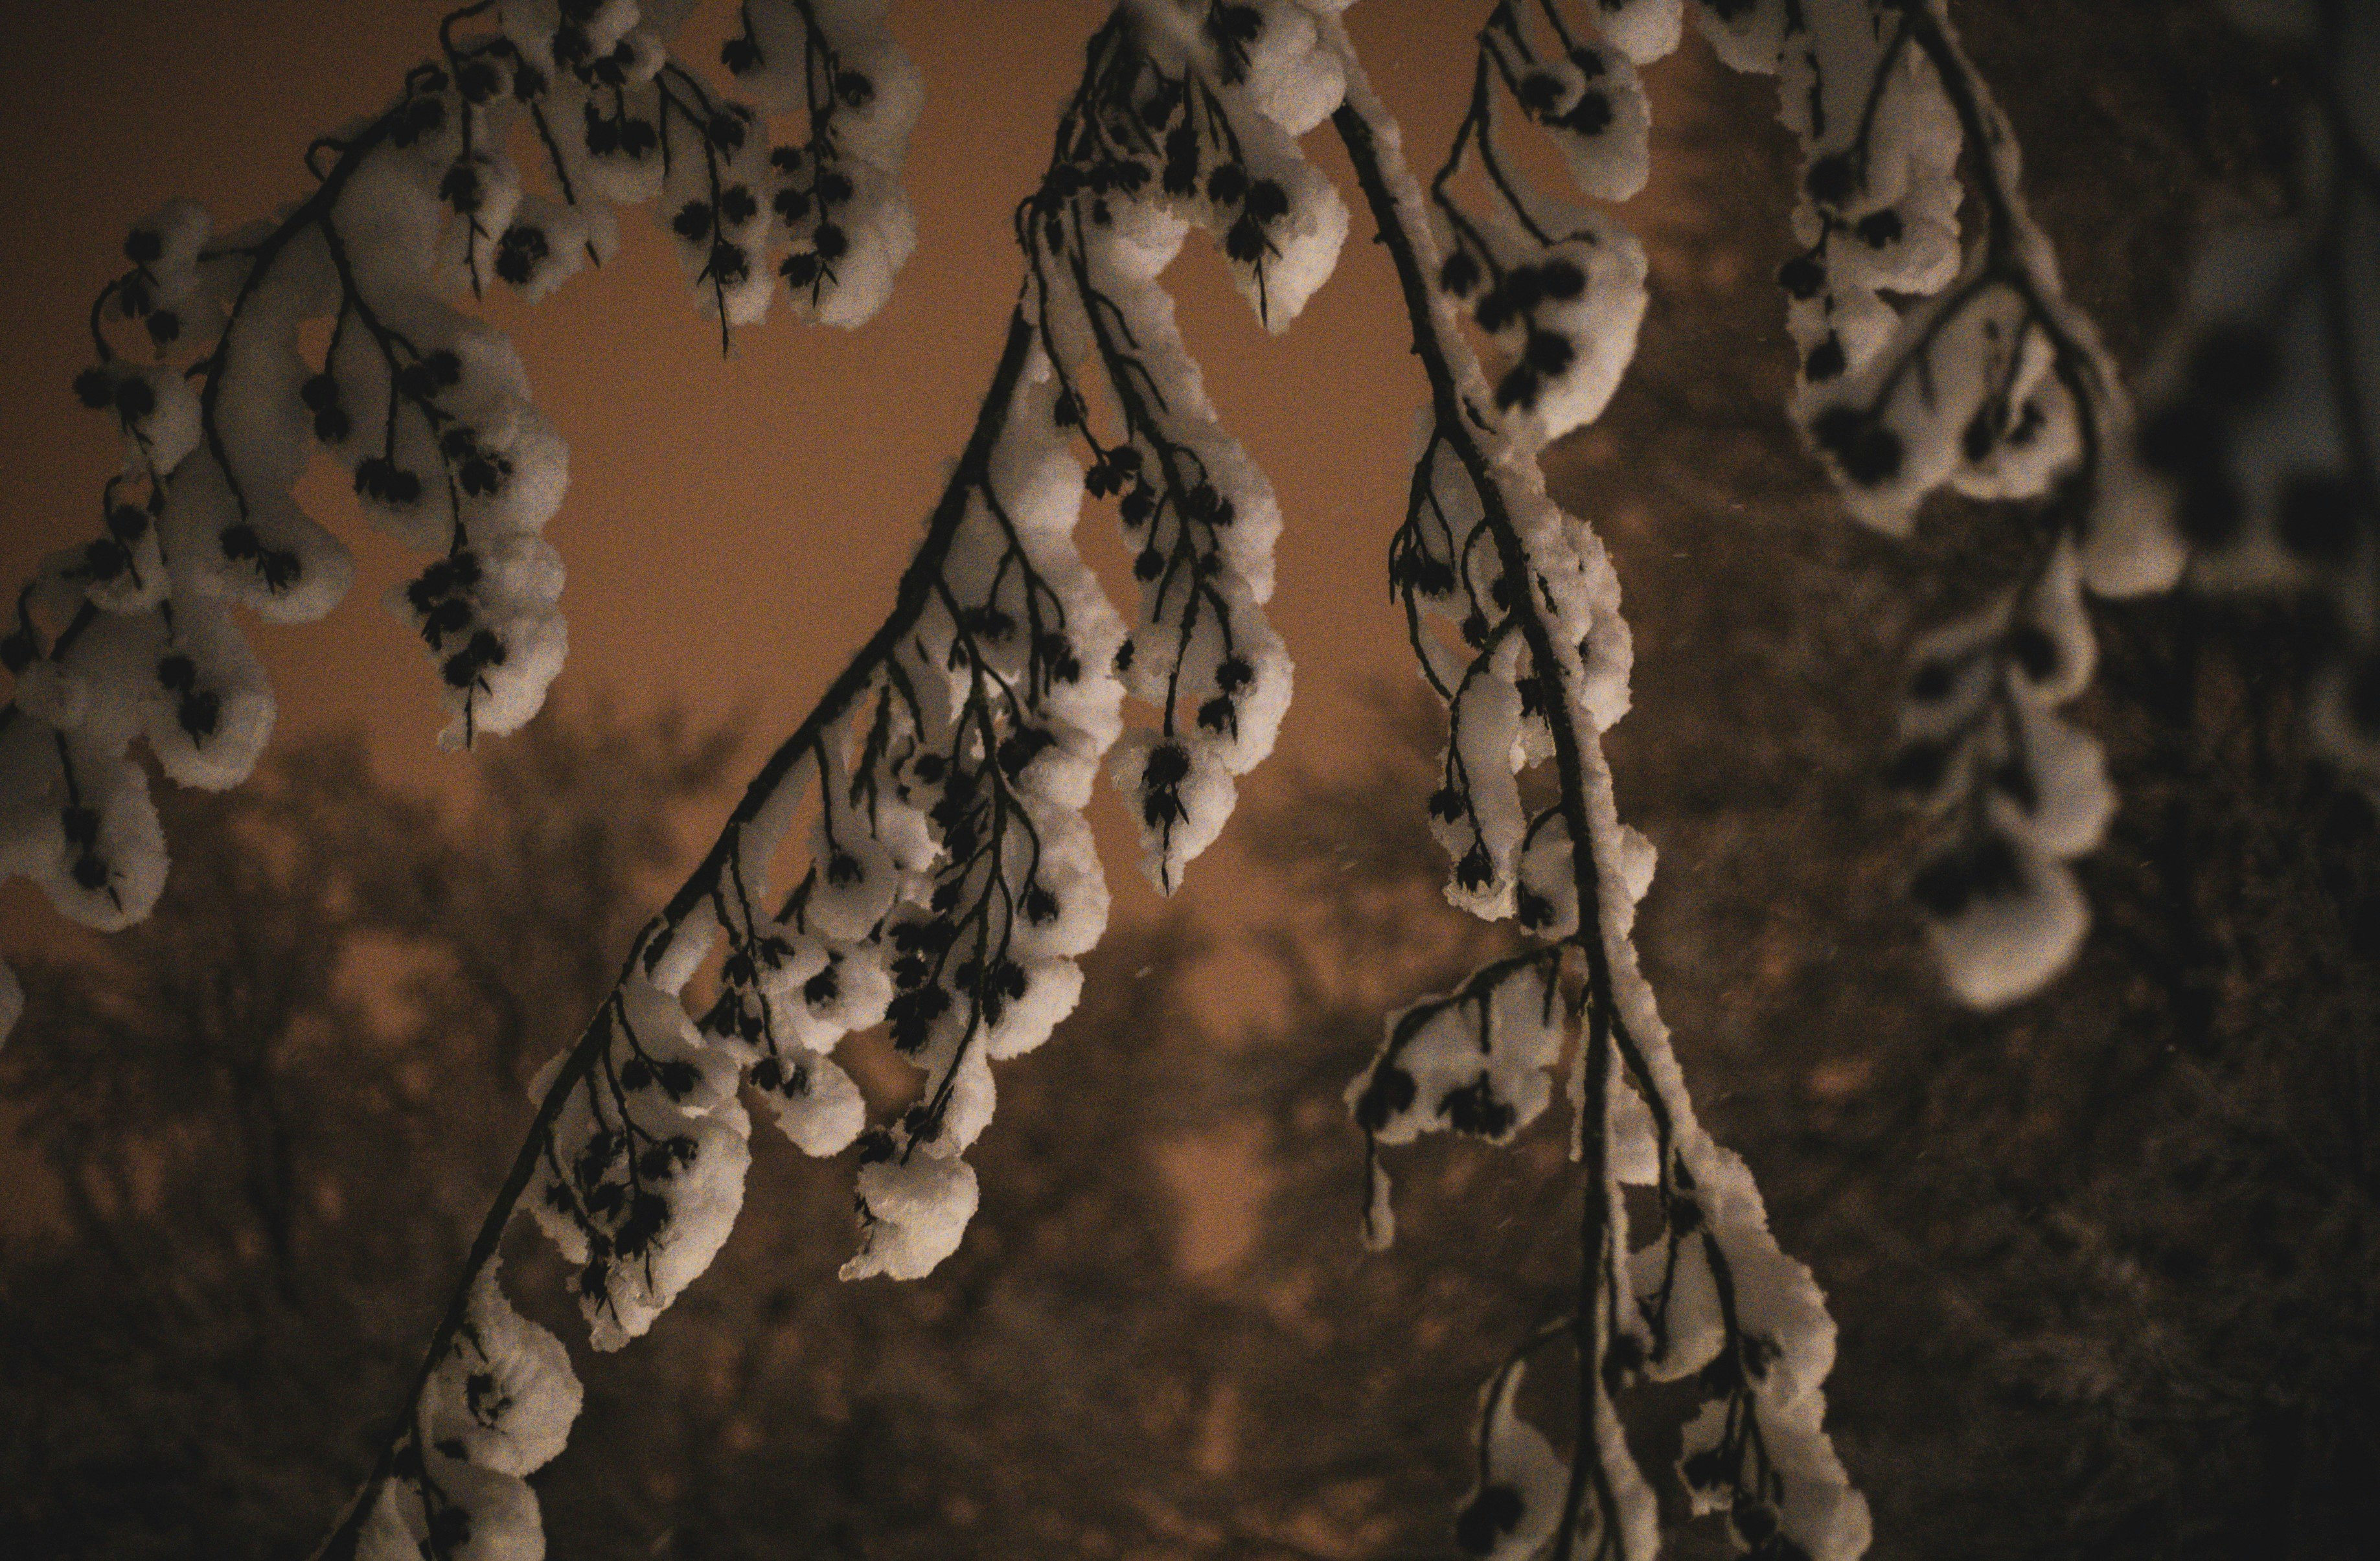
<point>2263,422</point>
<point>1512,608</point>
<point>502,161</point>
<point>1188,120</point>
<point>497,1406</point>
<point>1560,288</point>
<point>2020,790</point>
<point>1927,367</point>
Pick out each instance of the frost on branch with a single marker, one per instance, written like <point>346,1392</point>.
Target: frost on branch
<point>2264,414</point>
<point>1927,367</point>
<point>502,160</point>
<point>1513,610</point>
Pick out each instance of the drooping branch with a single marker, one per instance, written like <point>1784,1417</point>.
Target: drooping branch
<point>1710,1296</point>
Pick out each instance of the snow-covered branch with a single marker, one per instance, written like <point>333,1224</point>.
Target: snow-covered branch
<point>948,882</point>
<point>1927,366</point>
<point>1540,672</point>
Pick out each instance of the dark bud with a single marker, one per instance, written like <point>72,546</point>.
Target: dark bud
<point>1040,906</point>
<point>1148,565</point>
<point>829,241</point>
<point>2032,648</point>
<point>128,523</point>
<point>1981,433</point>
<point>94,388</point>
<point>1475,870</point>
<point>1517,388</point>
<point>1228,184</point>
<point>1878,228</point>
<point>1864,450</point>
<point>319,392</point>
<point>729,263</point>
<point>1217,714</point>
<point>92,872</point>
<point>1460,274</point>
<point>1993,862</point>
<point>1245,241</point>
<point>144,247</point>
<point>1533,909</point>
<point>843,870</point>
<point>692,222</point>
<point>1933,681</point>
<point>449,617</point>
<point>1826,360</point>
<point>1389,1093</point>
<point>1493,1513</point>
<point>18,651</point>
<point>2014,781</point>
<point>239,541</point>
<point>1549,352</point>
<point>737,204</point>
<point>1754,1520</point>
<point>1801,277</point>
<point>1621,1362</point>
<point>1446,804</point>
<point>1589,63</point>
<point>1559,279</point>
<point>478,81</point>
<point>1918,767</point>
<point>1831,179</point>
<point>177,673</point>
<point>1591,115</point>
<point>1235,674</point>
<point>450,1530</point>
<point>1705,1471</point>
<point>1944,886</point>
<point>519,252</point>
<point>823,988</point>
<point>855,90</point>
<point>726,132</point>
<point>104,558</point>
<point>800,268</point>
<point>833,187</point>
<point>1020,748</point>
<point>1473,1109</point>
<point>460,187</point>
<point>1168,765</point>
<point>80,825</point>
<point>740,55</point>
<point>1539,92</point>
<point>133,399</point>
<point>165,327</point>
<point>1268,201</point>
<point>199,712</point>
<point>1474,629</point>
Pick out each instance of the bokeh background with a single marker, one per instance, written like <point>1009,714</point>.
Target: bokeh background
<point>2103,1264</point>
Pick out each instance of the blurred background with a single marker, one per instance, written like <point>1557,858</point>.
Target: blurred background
<point>2103,1264</point>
